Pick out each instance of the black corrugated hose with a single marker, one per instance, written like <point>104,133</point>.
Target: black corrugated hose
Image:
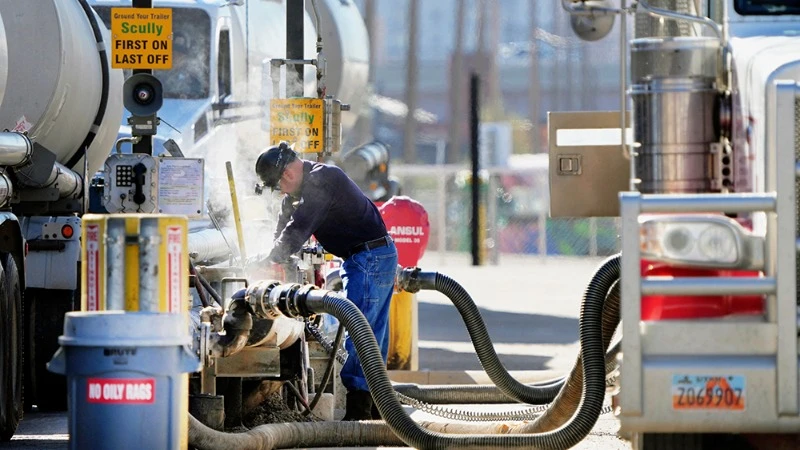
<point>468,394</point>
<point>484,348</point>
<point>592,354</point>
<point>537,393</point>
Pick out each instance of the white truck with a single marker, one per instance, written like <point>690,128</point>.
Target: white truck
<point>706,188</point>
<point>224,115</point>
<point>60,104</point>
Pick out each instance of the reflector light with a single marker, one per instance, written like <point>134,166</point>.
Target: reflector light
<point>67,231</point>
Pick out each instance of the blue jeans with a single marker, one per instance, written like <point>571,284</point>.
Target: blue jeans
<point>368,282</point>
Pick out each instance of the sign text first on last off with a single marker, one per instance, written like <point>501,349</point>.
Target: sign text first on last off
<point>142,38</point>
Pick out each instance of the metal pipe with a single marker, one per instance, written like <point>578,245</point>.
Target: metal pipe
<point>275,76</point>
<point>15,149</point>
<point>708,286</point>
<point>149,242</point>
<point>68,183</point>
<point>623,98</point>
<point>295,46</point>
<point>6,189</point>
<point>653,11</point>
<point>412,84</point>
<point>133,140</point>
<point>210,244</point>
<point>474,124</point>
<point>730,203</point>
<point>235,204</point>
<point>456,92</point>
<point>115,264</point>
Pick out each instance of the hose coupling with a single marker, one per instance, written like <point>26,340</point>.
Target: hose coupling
<point>258,297</point>
<point>294,303</point>
<point>408,279</point>
<point>281,295</point>
<point>413,280</point>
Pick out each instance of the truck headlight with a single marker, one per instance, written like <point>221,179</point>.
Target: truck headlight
<point>702,241</point>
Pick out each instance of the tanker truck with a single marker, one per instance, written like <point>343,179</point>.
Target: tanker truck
<point>223,113</point>
<point>60,107</point>
<point>701,166</point>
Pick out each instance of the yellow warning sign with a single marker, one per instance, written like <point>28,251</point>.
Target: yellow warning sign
<point>141,38</point>
<point>298,121</point>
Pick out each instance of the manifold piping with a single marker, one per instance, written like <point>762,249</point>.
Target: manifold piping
<point>365,433</point>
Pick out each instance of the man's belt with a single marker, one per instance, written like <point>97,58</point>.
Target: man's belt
<point>369,245</point>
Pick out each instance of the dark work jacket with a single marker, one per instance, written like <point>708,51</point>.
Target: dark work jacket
<point>332,208</point>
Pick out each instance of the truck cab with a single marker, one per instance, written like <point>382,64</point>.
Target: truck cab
<point>703,177</point>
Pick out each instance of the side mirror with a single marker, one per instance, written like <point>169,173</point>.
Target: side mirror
<point>593,25</point>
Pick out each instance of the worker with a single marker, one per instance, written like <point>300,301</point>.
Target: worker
<point>321,200</point>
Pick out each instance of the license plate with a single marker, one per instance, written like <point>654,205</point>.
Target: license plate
<point>708,392</point>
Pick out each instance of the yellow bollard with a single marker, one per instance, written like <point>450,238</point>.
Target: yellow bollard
<point>403,332</point>
<point>135,262</point>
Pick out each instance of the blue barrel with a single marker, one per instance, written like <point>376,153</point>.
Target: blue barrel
<point>127,378</point>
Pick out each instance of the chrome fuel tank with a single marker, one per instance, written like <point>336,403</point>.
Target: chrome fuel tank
<point>675,101</point>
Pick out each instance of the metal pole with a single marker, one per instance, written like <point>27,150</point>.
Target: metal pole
<point>410,130</point>
<point>456,83</point>
<point>149,242</point>
<point>441,216</point>
<point>623,96</point>
<point>533,88</point>
<point>295,11</point>
<point>481,27</point>
<point>491,213</point>
<point>115,261</point>
<point>556,82</point>
<point>363,132</point>
<point>495,91</point>
<point>145,144</point>
<point>370,18</point>
<point>476,182</point>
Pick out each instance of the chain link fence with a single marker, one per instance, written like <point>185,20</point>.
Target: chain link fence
<point>513,212</point>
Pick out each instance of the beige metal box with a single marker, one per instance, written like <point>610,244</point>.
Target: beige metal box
<point>587,165</point>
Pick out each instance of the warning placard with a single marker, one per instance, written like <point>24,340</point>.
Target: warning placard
<point>141,38</point>
<point>93,269</point>
<point>174,267</point>
<point>121,390</point>
<point>298,121</point>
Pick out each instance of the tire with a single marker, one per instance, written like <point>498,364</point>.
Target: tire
<point>10,356</point>
<point>668,441</point>
<point>47,309</point>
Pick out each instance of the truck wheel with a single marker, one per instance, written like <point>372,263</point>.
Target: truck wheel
<point>10,359</point>
<point>47,309</point>
<point>668,441</point>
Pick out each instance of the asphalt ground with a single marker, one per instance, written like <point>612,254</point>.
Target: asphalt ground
<point>530,305</point>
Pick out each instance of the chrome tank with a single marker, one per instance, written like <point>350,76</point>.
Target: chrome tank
<point>54,77</point>
<point>674,95</point>
<point>346,49</point>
